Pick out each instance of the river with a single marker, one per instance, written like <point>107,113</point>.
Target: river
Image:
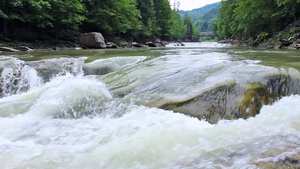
<point>203,105</point>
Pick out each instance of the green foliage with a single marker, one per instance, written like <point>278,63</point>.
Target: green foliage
<point>146,8</point>
<point>200,12</point>
<point>204,17</point>
<point>163,14</point>
<point>112,17</point>
<point>196,33</point>
<point>115,19</point>
<point>39,14</point>
<point>255,19</point>
<point>189,27</point>
<point>192,33</point>
<point>205,22</point>
<point>295,30</point>
<point>262,36</point>
<point>250,41</point>
<point>178,29</point>
<point>208,39</point>
<point>283,35</point>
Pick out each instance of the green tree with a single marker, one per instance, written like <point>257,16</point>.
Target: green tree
<point>250,18</point>
<point>178,29</point>
<point>291,6</point>
<point>38,14</point>
<point>113,17</point>
<point>196,33</point>
<point>189,27</point>
<point>146,8</point>
<point>163,14</point>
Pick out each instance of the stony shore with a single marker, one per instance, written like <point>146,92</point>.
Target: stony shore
<point>92,40</point>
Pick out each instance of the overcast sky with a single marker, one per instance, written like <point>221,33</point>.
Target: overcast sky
<point>193,4</point>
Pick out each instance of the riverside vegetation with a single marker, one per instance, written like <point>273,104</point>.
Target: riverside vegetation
<point>117,20</point>
<point>268,23</point>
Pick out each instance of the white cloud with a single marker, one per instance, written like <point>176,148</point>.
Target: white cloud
<point>192,4</point>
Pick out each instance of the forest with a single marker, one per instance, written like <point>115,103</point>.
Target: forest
<point>203,17</point>
<point>255,20</point>
<point>115,19</point>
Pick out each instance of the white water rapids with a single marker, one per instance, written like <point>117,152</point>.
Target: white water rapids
<point>60,117</point>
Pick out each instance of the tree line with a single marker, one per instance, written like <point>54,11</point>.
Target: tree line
<point>123,19</point>
<point>255,19</point>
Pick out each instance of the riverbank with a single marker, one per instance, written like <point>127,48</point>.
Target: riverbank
<point>288,38</point>
<point>8,45</point>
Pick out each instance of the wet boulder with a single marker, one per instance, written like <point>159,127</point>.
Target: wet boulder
<point>214,104</point>
<point>92,40</point>
<point>233,100</point>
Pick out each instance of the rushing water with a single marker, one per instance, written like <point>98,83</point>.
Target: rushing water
<point>200,106</point>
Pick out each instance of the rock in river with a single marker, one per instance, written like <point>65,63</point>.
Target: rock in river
<point>92,40</point>
<point>234,100</point>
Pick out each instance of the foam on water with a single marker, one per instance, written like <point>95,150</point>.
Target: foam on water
<point>148,138</point>
<point>70,98</point>
<point>103,66</point>
<point>63,96</point>
<point>198,45</point>
<point>16,77</point>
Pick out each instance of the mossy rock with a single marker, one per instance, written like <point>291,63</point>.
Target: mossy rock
<point>235,100</point>
<point>220,102</point>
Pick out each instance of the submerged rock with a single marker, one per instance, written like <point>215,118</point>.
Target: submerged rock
<point>214,104</point>
<point>99,70</point>
<point>235,100</point>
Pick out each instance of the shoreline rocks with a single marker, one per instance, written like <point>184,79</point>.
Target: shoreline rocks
<point>91,40</point>
<point>8,49</point>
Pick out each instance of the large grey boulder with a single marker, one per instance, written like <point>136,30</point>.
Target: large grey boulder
<point>92,40</point>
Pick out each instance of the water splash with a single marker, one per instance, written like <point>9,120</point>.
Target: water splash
<point>149,138</point>
<point>17,78</point>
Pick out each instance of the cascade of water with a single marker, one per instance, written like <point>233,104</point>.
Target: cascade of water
<point>17,78</point>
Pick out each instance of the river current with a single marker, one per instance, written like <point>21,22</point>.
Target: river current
<point>106,109</point>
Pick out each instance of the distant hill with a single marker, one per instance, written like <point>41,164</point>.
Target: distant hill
<point>197,13</point>
<point>203,17</point>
